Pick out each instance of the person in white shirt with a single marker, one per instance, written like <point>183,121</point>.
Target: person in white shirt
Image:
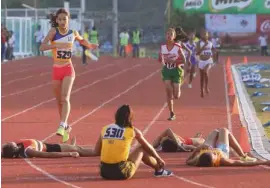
<point>38,38</point>
<point>11,45</point>
<point>205,51</point>
<point>216,45</point>
<point>263,44</point>
<point>124,38</point>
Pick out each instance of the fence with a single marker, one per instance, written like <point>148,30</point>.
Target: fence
<point>23,23</point>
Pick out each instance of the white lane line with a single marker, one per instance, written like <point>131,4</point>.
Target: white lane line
<point>48,83</point>
<point>74,91</point>
<point>23,70</point>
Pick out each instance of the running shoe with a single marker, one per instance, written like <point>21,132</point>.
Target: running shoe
<point>60,131</point>
<point>248,159</point>
<point>172,117</point>
<point>163,173</point>
<point>66,134</point>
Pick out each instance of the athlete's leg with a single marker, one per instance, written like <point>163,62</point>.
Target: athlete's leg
<point>202,82</point>
<point>84,152</point>
<point>206,77</point>
<point>139,154</point>
<point>65,97</point>
<point>176,90</point>
<point>57,93</point>
<point>167,133</point>
<point>191,74</point>
<point>212,138</point>
<point>169,94</point>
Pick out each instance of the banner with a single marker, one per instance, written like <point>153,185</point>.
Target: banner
<point>229,23</point>
<point>263,24</point>
<point>223,6</point>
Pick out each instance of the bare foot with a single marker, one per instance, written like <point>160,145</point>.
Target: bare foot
<point>207,90</point>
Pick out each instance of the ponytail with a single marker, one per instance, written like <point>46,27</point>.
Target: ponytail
<point>53,20</point>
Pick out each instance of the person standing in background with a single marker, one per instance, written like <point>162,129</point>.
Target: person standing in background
<point>11,45</point>
<point>124,37</point>
<point>3,42</point>
<point>85,37</point>
<point>263,44</point>
<point>94,39</point>
<point>136,36</point>
<point>38,38</point>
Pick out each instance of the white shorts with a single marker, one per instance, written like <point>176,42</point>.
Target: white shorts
<point>202,64</point>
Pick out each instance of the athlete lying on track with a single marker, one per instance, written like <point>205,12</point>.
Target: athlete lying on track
<point>114,145</point>
<point>28,148</point>
<point>168,141</point>
<point>215,152</point>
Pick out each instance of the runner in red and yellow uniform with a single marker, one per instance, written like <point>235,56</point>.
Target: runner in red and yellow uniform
<point>28,148</point>
<point>214,152</point>
<point>62,39</point>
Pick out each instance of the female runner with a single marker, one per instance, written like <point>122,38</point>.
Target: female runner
<point>205,51</point>
<point>61,40</point>
<point>173,60</point>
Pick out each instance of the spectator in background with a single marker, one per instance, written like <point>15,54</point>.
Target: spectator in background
<point>3,42</point>
<point>124,37</point>
<point>85,37</point>
<point>38,38</point>
<point>263,43</point>
<point>11,45</point>
<point>216,45</point>
<point>94,39</point>
<point>136,37</point>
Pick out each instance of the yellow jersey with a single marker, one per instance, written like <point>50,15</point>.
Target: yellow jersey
<point>116,143</point>
<point>63,55</point>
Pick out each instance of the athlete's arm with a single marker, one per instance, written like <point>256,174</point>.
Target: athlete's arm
<point>148,147</point>
<point>84,42</point>
<point>192,161</point>
<point>45,44</point>
<point>230,162</point>
<point>188,51</point>
<point>98,147</point>
<point>170,134</point>
<point>199,49</point>
<point>38,154</point>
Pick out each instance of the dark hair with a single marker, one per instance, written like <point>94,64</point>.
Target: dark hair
<point>180,35</point>
<point>9,151</point>
<point>124,116</point>
<point>168,145</point>
<point>55,15</point>
<point>205,160</point>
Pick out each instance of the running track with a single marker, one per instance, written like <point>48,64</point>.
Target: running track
<point>29,111</point>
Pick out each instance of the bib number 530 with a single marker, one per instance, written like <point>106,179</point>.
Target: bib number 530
<point>64,54</point>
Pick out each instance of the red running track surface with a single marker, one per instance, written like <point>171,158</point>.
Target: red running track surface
<point>29,111</point>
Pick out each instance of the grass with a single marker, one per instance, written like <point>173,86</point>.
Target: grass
<point>264,117</point>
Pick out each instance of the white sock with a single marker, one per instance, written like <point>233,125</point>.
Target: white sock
<point>63,124</point>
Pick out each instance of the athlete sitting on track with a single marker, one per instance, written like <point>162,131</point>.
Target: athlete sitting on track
<point>28,148</point>
<point>215,152</point>
<point>114,146</point>
<point>168,141</point>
